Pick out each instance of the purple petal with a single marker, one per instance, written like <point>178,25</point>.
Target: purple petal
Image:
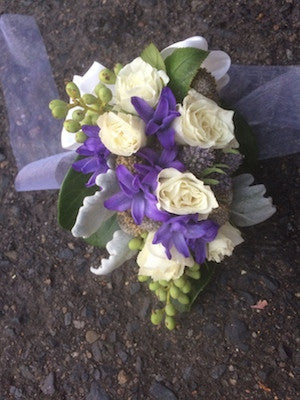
<point>92,180</point>
<point>78,165</point>
<point>119,202</point>
<point>167,93</point>
<point>162,110</point>
<point>167,156</point>
<point>138,208</point>
<point>152,127</point>
<point>167,138</point>
<point>91,130</point>
<point>200,251</point>
<point>142,108</point>
<point>180,244</point>
<point>154,213</point>
<point>148,154</point>
<point>125,179</point>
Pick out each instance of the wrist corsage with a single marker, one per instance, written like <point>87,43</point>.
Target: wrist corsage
<point>158,173</point>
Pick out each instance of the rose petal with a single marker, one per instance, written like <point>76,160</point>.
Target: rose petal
<point>119,252</point>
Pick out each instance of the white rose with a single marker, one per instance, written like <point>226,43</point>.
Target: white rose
<point>203,123</point>
<point>153,261</point>
<point>227,238</point>
<point>122,134</point>
<point>139,78</point>
<point>182,193</point>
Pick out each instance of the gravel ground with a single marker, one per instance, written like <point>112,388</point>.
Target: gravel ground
<point>67,334</point>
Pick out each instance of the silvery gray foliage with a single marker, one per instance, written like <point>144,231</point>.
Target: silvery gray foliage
<point>119,252</point>
<point>249,206</point>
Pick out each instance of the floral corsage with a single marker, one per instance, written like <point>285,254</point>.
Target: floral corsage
<point>158,170</point>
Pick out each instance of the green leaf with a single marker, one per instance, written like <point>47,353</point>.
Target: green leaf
<point>211,170</point>
<point>152,56</point>
<point>247,141</point>
<point>105,233</point>
<point>182,67</point>
<point>248,146</point>
<point>207,272</point>
<point>71,195</point>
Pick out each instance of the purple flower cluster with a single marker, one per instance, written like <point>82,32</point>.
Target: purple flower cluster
<point>185,232</point>
<point>158,121</point>
<point>95,155</point>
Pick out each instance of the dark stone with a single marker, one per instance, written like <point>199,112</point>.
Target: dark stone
<point>160,392</point>
<point>17,393</point>
<point>47,386</point>
<point>96,352</point>
<point>68,319</point>
<point>210,330</point>
<point>112,337</point>
<point>270,282</point>
<point>123,355</point>
<point>236,332</point>
<point>138,365</point>
<point>65,254</point>
<point>134,288</point>
<point>217,371</point>
<point>97,393</point>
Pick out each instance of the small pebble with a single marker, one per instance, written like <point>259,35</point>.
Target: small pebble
<point>78,324</point>
<point>122,377</point>
<point>91,336</point>
<point>47,386</point>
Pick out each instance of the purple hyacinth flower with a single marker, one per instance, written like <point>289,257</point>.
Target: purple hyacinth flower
<point>158,121</point>
<point>185,232</point>
<point>156,162</point>
<point>95,155</point>
<point>136,196</point>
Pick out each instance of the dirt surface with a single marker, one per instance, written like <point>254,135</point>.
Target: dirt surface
<point>67,334</point>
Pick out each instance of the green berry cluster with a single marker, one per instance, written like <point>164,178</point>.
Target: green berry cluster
<point>170,291</point>
<point>88,106</point>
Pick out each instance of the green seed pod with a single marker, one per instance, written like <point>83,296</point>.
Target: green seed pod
<point>174,292</point>
<point>59,112</point>
<point>170,310</point>
<point>183,299</point>
<point>57,103</point>
<point>89,98</point>
<point>87,120</point>
<point>144,235</point>
<point>193,274</point>
<point>170,322</point>
<point>107,76</point>
<point>163,282</point>
<point>78,115</point>
<point>71,126</point>
<point>98,86</point>
<point>195,267</point>
<point>143,278</point>
<point>156,317</point>
<point>161,294</point>
<point>180,282</point>
<point>105,95</point>
<point>72,90</point>
<point>117,68</point>
<point>94,119</point>
<point>80,137</point>
<point>186,288</point>
<point>135,244</point>
<point>153,286</point>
